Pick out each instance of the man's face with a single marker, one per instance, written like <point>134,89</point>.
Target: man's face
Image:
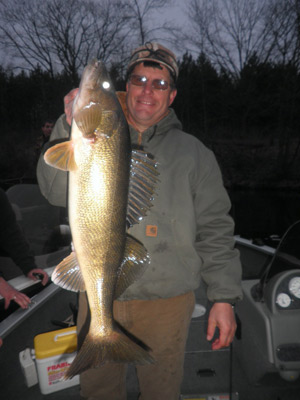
<point>47,129</point>
<point>146,105</point>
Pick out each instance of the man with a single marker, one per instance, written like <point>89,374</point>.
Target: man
<point>13,244</point>
<point>46,128</point>
<point>187,233</point>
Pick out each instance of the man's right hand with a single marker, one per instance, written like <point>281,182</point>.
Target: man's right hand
<point>9,293</point>
<point>68,102</point>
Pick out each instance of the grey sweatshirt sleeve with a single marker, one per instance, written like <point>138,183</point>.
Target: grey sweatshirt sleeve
<point>52,181</point>
<point>221,267</point>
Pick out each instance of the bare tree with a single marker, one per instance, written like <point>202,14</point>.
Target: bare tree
<point>283,17</point>
<point>144,19</point>
<point>59,34</point>
<point>229,32</point>
<point>232,33</point>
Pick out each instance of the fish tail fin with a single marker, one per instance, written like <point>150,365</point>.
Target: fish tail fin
<point>116,347</point>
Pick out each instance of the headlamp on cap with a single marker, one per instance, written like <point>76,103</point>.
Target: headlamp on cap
<point>157,53</point>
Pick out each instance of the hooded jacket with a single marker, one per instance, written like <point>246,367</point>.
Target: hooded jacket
<point>188,231</point>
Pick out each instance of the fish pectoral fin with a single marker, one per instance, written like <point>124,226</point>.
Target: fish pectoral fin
<point>88,119</point>
<point>135,262</point>
<point>61,156</point>
<point>95,121</point>
<point>68,275</point>
<point>143,179</point>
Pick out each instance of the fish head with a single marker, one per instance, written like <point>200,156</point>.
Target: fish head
<point>96,110</point>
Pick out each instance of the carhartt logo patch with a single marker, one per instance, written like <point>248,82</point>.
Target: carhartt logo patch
<point>151,230</point>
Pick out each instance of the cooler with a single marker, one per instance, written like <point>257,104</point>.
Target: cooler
<point>54,352</point>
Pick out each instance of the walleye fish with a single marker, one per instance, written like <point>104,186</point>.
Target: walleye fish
<point>110,187</point>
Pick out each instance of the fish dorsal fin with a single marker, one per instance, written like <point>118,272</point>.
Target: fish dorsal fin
<point>68,275</point>
<point>136,260</point>
<point>61,156</point>
<point>143,179</point>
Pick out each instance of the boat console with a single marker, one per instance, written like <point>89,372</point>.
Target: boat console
<point>270,312</point>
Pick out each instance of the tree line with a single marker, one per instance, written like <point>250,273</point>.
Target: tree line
<point>238,88</point>
<point>62,35</point>
<point>260,107</point>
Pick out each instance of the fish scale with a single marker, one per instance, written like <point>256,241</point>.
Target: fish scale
<point>106,259</point>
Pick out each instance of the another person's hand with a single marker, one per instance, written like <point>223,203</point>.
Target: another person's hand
<point>9,293</point>
<point>68,102</point>
<point>39,271</point>
<point>222,316</point>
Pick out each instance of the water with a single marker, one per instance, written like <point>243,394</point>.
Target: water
<point>257,213</point>
<point>261,213</point>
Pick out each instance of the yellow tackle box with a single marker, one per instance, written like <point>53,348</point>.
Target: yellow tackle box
<point>54,352</point>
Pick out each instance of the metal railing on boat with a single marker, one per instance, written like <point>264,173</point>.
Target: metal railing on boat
<point>21,283</point>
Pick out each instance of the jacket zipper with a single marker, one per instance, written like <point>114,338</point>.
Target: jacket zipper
<point>140,134</point>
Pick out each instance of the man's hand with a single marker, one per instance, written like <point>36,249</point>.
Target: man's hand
<point>68,103</point>
<point>222,316</point>
<point>9,293</point>
<point>34,275</point>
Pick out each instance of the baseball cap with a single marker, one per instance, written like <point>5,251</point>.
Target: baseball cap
<point>152,51</point>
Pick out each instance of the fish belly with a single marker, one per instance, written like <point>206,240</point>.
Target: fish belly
<point>98,201</point>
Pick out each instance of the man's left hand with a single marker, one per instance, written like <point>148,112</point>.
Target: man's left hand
<point>222,316</point>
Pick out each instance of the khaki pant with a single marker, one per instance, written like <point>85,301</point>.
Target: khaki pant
<point>163,326</point>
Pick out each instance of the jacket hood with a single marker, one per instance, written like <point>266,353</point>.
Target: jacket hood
<point>170,121</point>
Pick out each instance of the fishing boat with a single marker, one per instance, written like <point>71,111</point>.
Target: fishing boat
<point>269,315</point>
<point>263,363</point>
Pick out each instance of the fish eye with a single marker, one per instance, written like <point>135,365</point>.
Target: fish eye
<point>106,85</point>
